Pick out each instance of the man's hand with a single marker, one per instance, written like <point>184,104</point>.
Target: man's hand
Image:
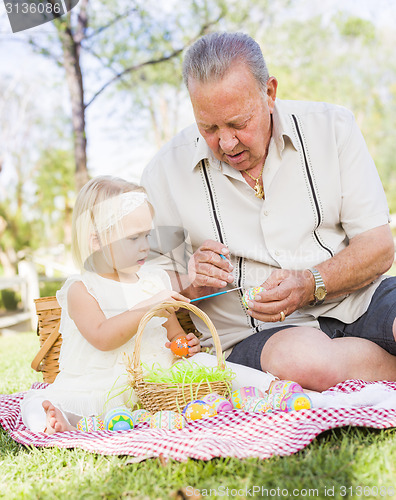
<point>208,271</point>
<point>285,291</point>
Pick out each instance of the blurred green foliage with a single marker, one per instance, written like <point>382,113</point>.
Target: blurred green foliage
<point>9,300</point>
<point>48,289</point>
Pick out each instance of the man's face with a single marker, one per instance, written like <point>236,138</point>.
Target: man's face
<point>234,116</point>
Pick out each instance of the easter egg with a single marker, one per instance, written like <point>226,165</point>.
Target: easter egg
<point>167,419</point>
<point>257,405</point>
<point>284,386</point>
<point>295,401</point>
<point>90,424</point>
<point>118,419</point>
<point>217,402</point>
<point>179,347</point>
<point>197,410</point>
<point>250,294</point>
<point>196,401</point>
<point>275,400</point>
<point>238,396</point>
<point>140,416</point>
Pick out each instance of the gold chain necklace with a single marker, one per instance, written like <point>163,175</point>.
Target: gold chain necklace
<point>259,191</point>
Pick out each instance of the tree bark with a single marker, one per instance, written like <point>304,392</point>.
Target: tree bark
<point>71,61</point>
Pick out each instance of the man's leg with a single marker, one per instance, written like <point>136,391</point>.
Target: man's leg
<point>308,356</point>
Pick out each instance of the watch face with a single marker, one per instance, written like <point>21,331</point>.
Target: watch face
<point>320,293</point>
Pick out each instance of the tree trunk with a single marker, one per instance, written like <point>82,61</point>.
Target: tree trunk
<point>71,63</point>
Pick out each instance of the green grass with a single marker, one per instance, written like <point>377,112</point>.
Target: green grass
<point>347,459</point>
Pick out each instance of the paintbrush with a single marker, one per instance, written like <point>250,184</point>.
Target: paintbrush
<point>215,294</point>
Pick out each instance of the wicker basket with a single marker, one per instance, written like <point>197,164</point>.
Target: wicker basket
<point>47,359</point>
<point>164,396</point>
<point>49,314</point>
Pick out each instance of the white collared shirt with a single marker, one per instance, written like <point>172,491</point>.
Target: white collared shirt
<point>321,189</point>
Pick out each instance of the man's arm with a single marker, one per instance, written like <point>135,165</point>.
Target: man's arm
<point>367,257</point>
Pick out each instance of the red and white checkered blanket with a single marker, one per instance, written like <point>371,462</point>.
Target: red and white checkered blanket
<point>231,434</point>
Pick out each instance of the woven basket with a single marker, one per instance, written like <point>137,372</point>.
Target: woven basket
<point>166,396</point>
<point>47,359</point>
<point>49,313</point>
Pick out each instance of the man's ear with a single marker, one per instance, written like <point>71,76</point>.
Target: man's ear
<point>272,85</point>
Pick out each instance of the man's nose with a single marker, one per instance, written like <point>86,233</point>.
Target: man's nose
<point>227,141</point>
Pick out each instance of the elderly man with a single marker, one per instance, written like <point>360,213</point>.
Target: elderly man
<point>285,195</point>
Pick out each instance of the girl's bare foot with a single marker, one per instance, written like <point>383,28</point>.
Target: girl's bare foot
<point>56,422</point>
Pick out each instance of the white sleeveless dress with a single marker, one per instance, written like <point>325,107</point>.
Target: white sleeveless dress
<point>91,382</point>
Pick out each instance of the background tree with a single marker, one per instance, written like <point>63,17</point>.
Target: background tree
<point>121,38</point>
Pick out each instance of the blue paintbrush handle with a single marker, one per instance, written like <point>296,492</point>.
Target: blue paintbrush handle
<point>215,294</point>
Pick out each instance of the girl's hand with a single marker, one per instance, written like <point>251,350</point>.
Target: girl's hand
<point>164,295</point>
<point>194,344</point>
<point>192,341</point>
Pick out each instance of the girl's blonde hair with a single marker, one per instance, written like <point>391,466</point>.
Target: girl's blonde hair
<point>98,211</point>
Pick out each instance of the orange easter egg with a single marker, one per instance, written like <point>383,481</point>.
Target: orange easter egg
<point>179,347</point>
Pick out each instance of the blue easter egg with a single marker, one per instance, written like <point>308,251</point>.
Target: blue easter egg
<point>118,419</point>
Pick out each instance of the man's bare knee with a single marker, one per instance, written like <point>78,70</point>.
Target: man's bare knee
<point>302,355</point>
<point>317,375</point>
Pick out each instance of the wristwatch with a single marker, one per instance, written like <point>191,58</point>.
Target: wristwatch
<point>320,291</point>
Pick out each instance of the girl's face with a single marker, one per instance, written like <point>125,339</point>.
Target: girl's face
<point>129,253</point>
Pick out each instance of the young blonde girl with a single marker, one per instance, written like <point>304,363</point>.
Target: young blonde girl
<point>102,308</point>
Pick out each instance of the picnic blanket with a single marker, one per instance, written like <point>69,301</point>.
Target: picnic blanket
<point>231,434</point>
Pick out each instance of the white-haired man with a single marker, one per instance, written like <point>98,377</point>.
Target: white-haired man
<point>289,194</point>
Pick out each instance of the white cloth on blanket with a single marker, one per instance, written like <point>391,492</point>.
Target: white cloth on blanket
<point>375,395</point>
<point>245,376</point>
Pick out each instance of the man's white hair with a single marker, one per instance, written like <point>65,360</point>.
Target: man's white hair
<point>213,55</point>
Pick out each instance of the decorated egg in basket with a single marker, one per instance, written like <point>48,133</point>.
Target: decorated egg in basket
<point>167,419</point>
<point>118,419</point>
<point>237,397</point>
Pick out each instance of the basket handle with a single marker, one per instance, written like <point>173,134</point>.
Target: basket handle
<point>51,339</point>
<point>175,305</point>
